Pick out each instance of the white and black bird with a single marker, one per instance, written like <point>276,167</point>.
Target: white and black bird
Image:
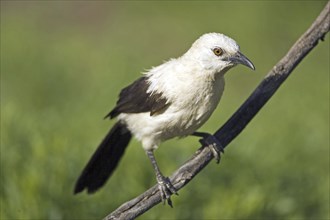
<point>171,100</point>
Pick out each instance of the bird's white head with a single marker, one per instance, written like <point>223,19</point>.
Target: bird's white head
<point>217,53</point>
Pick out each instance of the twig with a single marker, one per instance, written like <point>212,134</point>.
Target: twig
<point>233,127</point>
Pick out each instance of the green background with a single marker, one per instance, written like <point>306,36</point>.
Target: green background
<point>63,64</point>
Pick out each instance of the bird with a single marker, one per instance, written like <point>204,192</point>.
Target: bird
<point>171,100</point>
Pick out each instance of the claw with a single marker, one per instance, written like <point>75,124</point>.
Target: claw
<point>215,151</point>
<point>213,143</point>
<point>166,189</point>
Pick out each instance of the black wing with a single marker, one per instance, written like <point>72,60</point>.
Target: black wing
<point>135,99</point>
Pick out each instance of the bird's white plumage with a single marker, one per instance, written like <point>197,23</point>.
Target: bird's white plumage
<point>171,100</point>
<point>192,83</point>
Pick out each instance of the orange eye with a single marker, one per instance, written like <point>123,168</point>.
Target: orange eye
<point>217,51</point>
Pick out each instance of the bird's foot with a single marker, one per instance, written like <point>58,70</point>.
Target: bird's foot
<point>211,142</point>
<point>166,189</point>
<point>215,151</point>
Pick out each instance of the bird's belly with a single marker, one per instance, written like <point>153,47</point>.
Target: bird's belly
<point>152,130</point>
<point>188,120</point>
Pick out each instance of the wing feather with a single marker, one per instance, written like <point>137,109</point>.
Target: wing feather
<point>135,99</point>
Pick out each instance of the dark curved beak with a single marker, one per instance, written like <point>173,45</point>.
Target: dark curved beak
<point>239,58</point>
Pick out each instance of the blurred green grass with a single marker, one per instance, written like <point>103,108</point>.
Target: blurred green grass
<point>64,62</point>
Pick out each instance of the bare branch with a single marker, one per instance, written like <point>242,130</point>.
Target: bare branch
<point>233,127</point>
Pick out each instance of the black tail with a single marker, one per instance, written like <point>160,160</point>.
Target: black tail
<point>105,159</point>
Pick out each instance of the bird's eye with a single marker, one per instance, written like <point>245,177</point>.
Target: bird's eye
<point>217,51</point>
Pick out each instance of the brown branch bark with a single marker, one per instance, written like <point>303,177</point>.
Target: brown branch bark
<point>233,127</point>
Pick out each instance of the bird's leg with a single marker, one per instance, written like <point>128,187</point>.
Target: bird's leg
<point>164,184</point>
<point>211,142</point>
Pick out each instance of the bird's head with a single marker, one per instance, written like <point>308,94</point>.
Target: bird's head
<point>217,53</point>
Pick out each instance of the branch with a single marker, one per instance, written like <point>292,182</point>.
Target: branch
<point>233,127</point>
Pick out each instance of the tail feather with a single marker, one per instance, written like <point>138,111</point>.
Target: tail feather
<point>105,159</point>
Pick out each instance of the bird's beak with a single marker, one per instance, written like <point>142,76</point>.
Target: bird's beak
<point>239,58</point>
